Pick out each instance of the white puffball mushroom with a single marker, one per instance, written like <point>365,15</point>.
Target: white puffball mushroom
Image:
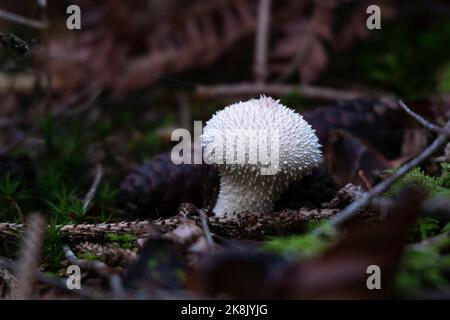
<point>236,139</point>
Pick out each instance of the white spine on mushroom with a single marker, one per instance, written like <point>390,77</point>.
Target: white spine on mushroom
<point>242,186</point>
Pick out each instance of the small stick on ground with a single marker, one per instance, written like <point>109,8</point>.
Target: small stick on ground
<point>9,280</point>
<point>246,225</point>
<point>97,266</point>
<point>93,190</point>
<point>206,231</point>
<point>364,180</point>
<point>353,209</point>
<point>29,257</point>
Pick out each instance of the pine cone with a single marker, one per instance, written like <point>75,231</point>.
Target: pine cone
<point>159,186</point>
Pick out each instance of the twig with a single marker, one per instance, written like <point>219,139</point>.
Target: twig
<point>364,180</point>
<point>91,194</point>
<point>9,280</point>
<point>353,209</point>
<point>424,122</point>
<point>245,89</point>
<point>99,267</point>
<point>246,225</point>
<point>12,17</point>
<point>29,257</point>
<point>262,39</point>
<point>205,227</point>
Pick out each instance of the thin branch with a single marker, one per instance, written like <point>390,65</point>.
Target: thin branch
<point>97,266</point>
<point>424,122</point>
<point>12,17</point>
<point>29,256</point>
<point>8,277</point>
<point>245,89</point>
<point>93,190</point>
<point>246,225</point>
<point>205,227</point>
<point>364,180</point>
<point>262,40</point>
<point>353,209</point>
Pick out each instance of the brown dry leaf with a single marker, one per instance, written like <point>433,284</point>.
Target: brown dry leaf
<point>347,155</point>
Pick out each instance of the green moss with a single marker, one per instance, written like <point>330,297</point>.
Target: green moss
<point>421,269</point>
<point>66,207</point>
<point>124,241</point>
<point>308,244</point>
<point>425,228</point>
<point>435,186</point>
<point>89,256</point>
<point>299,245</point>
<point>53,253</point>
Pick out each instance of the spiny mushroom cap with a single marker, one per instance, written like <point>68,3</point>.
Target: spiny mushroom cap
<point>299,148</point>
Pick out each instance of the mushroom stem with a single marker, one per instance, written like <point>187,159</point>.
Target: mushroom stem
<point>236,196</point>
